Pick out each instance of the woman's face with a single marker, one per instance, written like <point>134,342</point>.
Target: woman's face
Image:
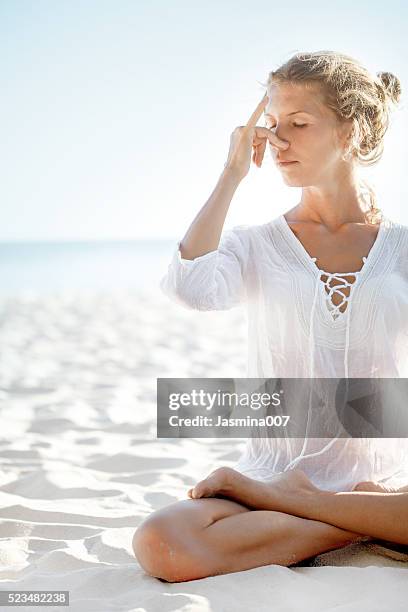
<point>316,141</point>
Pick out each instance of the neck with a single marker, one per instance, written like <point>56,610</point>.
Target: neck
<point>334,203</point>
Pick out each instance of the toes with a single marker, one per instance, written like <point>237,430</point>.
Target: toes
<point>200,490</point>
<point>218,482</point>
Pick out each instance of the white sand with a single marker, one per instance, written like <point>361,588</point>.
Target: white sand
<point>81,466</point>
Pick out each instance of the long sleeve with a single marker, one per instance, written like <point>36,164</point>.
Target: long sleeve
<point>213,281</point>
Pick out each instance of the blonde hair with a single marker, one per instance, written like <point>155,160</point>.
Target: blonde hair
<point>355,96</point>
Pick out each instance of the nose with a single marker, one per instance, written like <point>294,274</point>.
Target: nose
<point>279,133</point>
<point>275,150</point>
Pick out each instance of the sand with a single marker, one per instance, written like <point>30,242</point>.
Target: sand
<point>81,466</point>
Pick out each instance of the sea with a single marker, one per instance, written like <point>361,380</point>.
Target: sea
<point>51,267</point>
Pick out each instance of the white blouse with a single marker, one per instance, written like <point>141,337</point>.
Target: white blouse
<point>296,331</point>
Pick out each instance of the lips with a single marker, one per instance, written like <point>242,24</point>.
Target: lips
<point>286,164</point>
<point>287,161</point>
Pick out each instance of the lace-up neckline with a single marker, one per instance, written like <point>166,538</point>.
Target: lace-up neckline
<point>330,288</point>
<point>335,290</point>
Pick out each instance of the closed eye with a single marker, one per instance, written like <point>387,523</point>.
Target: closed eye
<point>299,125</point>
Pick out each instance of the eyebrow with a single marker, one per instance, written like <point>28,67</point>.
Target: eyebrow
<point>293,113</point>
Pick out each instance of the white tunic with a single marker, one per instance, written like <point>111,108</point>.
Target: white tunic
<point>296,331</point>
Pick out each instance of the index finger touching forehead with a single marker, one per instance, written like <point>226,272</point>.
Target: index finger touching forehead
<point>258,111</point>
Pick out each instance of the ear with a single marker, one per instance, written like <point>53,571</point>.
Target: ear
<point>345,134</point>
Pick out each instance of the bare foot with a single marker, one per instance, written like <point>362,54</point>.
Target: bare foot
<point>218,482</point>
<point>376,487</point>
<point>268,495</point>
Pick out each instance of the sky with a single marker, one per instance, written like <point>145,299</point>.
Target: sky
<point>117,114</point>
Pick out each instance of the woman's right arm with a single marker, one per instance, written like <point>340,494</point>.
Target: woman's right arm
<point>204,233</point>
<point>208,267</point>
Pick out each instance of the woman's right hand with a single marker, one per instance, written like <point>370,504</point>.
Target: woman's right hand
<point>246,138</point>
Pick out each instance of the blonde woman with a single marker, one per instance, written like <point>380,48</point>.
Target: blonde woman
<point>326,290</point>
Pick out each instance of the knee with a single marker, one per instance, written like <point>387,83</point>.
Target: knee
<point>149,541</point>
<point>161,553</point>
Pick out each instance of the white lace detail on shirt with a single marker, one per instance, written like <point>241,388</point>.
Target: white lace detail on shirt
<point>332,290</point>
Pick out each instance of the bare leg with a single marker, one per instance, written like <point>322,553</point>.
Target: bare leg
<point>375,514</point>
<point>193,539</point>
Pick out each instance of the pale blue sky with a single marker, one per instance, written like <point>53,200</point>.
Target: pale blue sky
<point>117,114</point>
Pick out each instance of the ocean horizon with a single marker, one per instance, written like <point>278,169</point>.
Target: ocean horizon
<point>53,266</point>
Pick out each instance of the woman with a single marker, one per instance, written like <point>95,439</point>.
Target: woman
<point>326,287</point>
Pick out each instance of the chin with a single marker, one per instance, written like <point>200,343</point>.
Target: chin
<point>303,179</point>
<point>293,182</point>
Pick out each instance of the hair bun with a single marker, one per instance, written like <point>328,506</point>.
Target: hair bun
<point>391,85</point>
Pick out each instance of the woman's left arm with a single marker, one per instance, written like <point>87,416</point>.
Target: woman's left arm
<point>380,515</point>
